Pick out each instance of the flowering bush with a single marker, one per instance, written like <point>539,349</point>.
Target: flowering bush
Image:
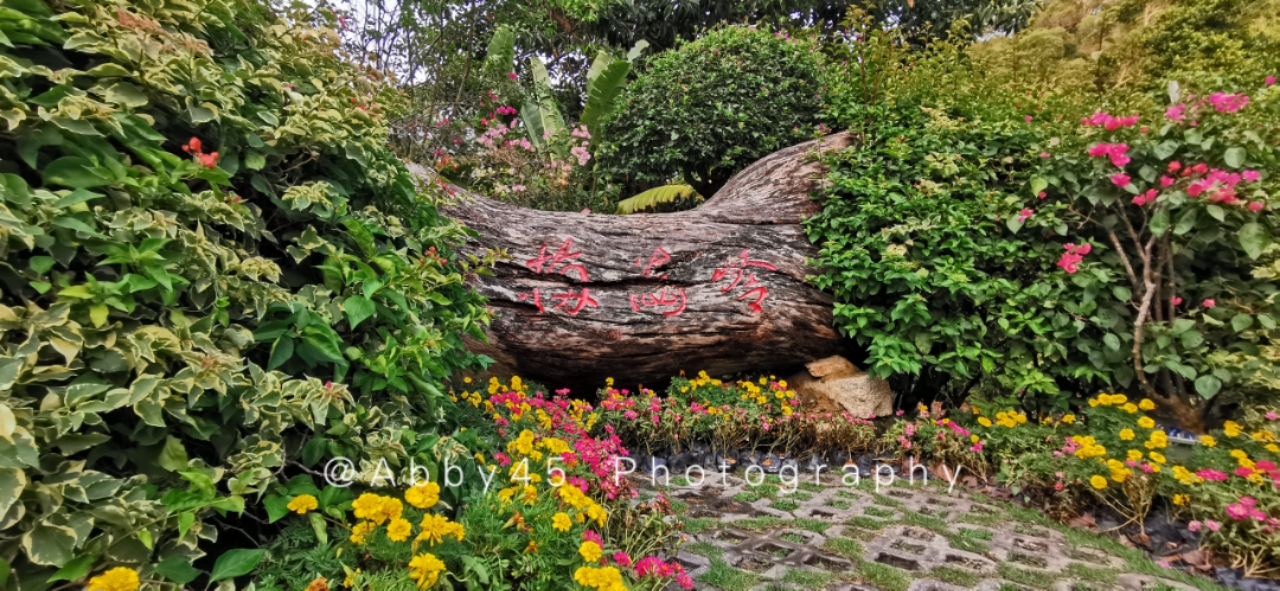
<point>1177,215</point>
<point>955,246</point>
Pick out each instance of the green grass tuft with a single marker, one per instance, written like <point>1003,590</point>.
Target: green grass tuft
<point>747,497</point>
<point>705,549</point>
<point>878,512</point>
<point>728,578</point>
<point>955,576</point>
<point>813,525</point>
<point>844,547</point>
<point>808,579</point>
<point>785,505</point>
<point>1036,580</point>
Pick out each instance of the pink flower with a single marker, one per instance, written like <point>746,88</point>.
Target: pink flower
<point>511,75</point>
<point>1175,300</point>
<point>1057,486</point>
<point>1045,154</point>
<point>1131,463</point>
<point>1211,474</point>
<point>1042,194</point>
<point>1147,468</point>
<point>1251,176</point>
<point>1209,303</point>
<point>1176,112</point>
<point>1228,103</point>
<point>1025,214</point>
<point>1249,501</point>
<point>1237,511</point>
<point>1028,119</point>
<point>1120,179</point>
<point>1212,525</point>
<point>622,559</point>
<point>1165,181</point>
<point>1071,259</point>
<point>1256,206</point>
<point>1194,525</point>
<point>1244,472</point>
<point>1270,80</point>
<point>1271,416</point>
<point>1174,166</point>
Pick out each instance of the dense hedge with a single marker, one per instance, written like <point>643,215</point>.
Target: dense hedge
<point>213,269</point>
<point>710,108</point>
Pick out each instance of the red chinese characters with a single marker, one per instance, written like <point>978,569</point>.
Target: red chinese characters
<point>674,300</point>
<point>737,272</point>
<point>564,261</point>
<point>660,257</point>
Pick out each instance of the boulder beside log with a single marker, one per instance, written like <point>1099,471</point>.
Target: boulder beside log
<point>835,385</point>
<point>641,297</point>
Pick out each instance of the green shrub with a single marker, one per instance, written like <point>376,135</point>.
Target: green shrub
<point>708,109</point>
<point>943,241</point>
<point>214,269</point>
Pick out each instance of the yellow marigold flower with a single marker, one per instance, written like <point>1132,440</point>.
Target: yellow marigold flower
<point>425,569</point>
<point>350,581</point>
<point>1135,455</point>
<point>1126,434</point>
<point>1093,402</point>
<point>601,579</point>
<point>590,551</point>
<point>1119,399</point>
<point>1273,448</point>
<point>436,527</point>
<point>1231,428</point>
<point>1181,499</point>
<point>1208,441</point>
<point>1156,457</point>
<point>1146,423</point>
<point>303,503</point>
<point>532,548</point>
<point>1068,418</point>
<point>376,508</point>
<point>399,530</point>
<point>466,380</point>
<point>116,579</point>
<point>984,421</point>
<point>974,439</point>
<point>597,513</point>
<point>1238,454</point>
<point>1146,404</point>
<point>361,531</point>
<point>1098,482</point>
<point>1130,408</point>
<point>561,522</point>
<point>424,495</point>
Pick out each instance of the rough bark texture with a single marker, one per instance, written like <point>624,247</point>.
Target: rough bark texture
<point>642,297</point>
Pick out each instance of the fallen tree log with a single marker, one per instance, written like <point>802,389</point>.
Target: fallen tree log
<point>642,297</point>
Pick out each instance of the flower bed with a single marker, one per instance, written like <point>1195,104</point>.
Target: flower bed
<point>1106,457</point>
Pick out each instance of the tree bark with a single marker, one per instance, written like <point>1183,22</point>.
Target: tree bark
<point>642,297</point>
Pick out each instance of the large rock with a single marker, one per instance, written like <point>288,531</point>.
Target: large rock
<point>834,385</point>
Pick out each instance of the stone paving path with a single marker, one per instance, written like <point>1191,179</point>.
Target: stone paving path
<point>902,538</point>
